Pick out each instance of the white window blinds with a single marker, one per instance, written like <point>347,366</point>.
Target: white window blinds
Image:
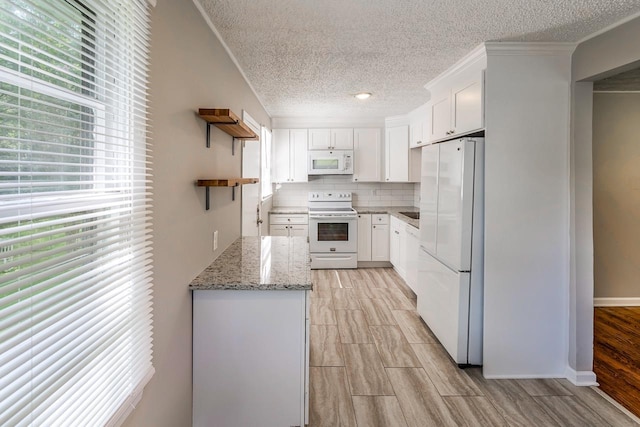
<point>75,262</point>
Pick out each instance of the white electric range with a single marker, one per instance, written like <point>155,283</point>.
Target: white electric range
<point>333,230</point>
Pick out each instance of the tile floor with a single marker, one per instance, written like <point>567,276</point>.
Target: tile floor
<point>375,363</point>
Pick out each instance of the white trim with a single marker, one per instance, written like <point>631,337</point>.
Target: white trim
<point>529,48</point>
<point>325,122</point>
<point>616,91</point>
<point>251,122</point>
<point>522,376</point>
<point>213,28</point>
<point>581,378</point>
<point>618,406</point>
<point>478,53</point>
<point>392,121</point>
<point>609,27</point>
<point>130,404</point>
<point>616,302</point>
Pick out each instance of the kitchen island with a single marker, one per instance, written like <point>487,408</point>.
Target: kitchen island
<point>250,335</point>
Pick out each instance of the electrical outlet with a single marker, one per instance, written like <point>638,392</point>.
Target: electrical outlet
<point>215,240</point>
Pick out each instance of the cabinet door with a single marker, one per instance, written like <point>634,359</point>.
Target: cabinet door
<point>366,155</point>
<point>364,237</point>
<point>280,163</point>
<point>298,230</point>
<point>397,154</point>
<point>401,265</point>
<point>415,133</point>
<point>412,246</point>
<point>380,242</point>
<point>394,242</point>
<point>279,230</point>
<point>298,155</point>
<point>441,117</point>
<point>342,139</point>
<point>467,105</point>
<point>319,139</point>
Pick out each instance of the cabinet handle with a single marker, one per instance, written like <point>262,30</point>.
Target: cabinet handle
<point>374,226</point>
<point>355,179</point>
<point>397,232</point>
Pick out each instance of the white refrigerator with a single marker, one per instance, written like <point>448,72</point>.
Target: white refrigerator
<point>450,272</point>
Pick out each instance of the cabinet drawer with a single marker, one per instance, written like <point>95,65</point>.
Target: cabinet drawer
<point>379,219</point>
<point>289,219</point>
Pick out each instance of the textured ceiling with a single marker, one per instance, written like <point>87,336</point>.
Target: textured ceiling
<point>305,58</point>
<point>627,81</point>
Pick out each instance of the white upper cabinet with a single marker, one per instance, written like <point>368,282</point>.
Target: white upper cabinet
<point>367,153</point>
<point>289,155</point>
<point>319,139</point>
<point>342,139</point>
<point>457,106</point>
<point>420,126</point>
<point>467,107</point>
<point>397,154</point>
<point>440,117</point>
<point>331,139</point>
<point>401,164</point>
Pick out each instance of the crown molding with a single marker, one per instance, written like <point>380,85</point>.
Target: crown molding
<point>326,122</point>
<point>529,48</point>
<point>477,54</point>
<point>609,27</point>
<point>401,120</point>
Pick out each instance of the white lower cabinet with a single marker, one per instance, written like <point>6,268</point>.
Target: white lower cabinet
<point>364,237</point>
<point>380,242</point>
<point>373,237</point>
<point>289,225</point>
<point>412,248</point>
<point>250,351</point>
<point>397,246</point>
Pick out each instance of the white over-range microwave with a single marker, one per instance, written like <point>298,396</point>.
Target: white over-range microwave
<point>330,162</point>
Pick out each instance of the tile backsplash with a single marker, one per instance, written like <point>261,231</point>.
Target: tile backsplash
<point>364,193</point>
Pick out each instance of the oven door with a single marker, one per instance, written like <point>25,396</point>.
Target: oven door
<point>333,234</point>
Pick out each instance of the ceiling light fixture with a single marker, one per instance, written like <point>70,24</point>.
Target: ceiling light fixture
<point>363,95</point>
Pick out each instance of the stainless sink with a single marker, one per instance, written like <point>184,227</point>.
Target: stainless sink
<point>412,215</point>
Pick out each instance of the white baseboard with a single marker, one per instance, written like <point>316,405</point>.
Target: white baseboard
<point>521,376</point>
<point>616,302</point>
<point>581,378</point>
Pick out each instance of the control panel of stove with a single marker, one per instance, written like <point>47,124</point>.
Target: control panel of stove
<point>330,196</point>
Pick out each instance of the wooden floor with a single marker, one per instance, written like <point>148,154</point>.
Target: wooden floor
<point>616,354</point>
<point>375,363</point>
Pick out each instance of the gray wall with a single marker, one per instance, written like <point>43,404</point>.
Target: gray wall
<point>604,55</point>
<point>526,253</point>
<point>616,194</point>
<point>189,69</point>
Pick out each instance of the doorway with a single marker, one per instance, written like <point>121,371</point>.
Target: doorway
<point>616,236</point>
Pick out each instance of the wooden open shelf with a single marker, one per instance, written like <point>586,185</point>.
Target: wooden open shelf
<point>227,121</point>
<point>229,182</point>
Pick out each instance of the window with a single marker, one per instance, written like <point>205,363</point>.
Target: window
<point>265,149</point>
<point>75,269</point>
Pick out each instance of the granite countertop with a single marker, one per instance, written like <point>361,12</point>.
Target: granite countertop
<point>289,210</point>
<point>393,211</point>
<point>259,263</point>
